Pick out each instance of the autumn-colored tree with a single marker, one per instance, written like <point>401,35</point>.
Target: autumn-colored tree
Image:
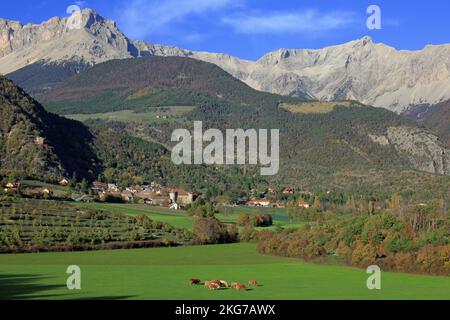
<point>394,203</point>
<point>211,230</point>
<point>350,205</point>
<point>363,255</point>
<point>243,220</point>
<point>317,204</point>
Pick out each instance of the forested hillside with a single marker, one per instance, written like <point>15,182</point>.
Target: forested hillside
<point>150,82</point>
<point>39,77</point>
<point>40,145</point>
<point>349,146</point>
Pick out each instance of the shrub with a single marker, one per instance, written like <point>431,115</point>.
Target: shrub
<point>363,255</point>
<point>243,220</point>
<point>210,230</point>
<point>255,220</point>
<point>113,199</point>
<point>262,220</point>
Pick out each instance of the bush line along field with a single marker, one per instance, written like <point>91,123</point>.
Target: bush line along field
<point>163,273</point>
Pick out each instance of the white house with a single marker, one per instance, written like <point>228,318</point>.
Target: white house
<point>175,206</point>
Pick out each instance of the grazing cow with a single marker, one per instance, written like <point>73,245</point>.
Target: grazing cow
<point>223,283</point>
<point>252,283</point>
<point>239,286</point>
<point>212,285</point>
<point>219,282</point>
<point>194,281</point>
<point>233,284</point>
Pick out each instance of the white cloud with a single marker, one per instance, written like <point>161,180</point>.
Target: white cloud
<point>140,18</point>
<point>289,22</point>
<point>194,37</point>
<point>81,4</point>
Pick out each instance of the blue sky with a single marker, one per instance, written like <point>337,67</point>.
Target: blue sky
<point>250,28</point>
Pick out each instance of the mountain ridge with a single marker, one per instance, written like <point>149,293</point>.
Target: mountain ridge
<point>97,40</point>
<point>372,73</point>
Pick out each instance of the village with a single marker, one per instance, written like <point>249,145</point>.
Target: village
<point>155,194</point>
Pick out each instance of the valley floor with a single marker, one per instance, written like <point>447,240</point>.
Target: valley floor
<point>163,273</point>
<point>180,218</point>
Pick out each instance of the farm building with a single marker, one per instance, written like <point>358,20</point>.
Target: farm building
<point>47,191</point>
<point>127,196</point>
<point>113,187</point>
<point>99,187</point>
<point>63,182</point>
<point>39,141</point>
<point>12,186</point>
<point>288,190</point>
<point>180,196</point>
<point>303,204</point>
<point>260,203</point>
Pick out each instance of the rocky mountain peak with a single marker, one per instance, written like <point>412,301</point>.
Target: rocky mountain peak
<point>95,40</point>
<point>366,40</point>
<point>91,19</point>
<point>370,72</point>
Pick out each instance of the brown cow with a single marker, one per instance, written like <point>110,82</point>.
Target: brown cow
<point>239,286</point>
<point>212,285</point>
<point>223,283</point>
<point>194,281</point>
<point>252,283</point>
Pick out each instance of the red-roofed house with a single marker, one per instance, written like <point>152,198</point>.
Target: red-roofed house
<point>288,190</point>
<point>181,196</point>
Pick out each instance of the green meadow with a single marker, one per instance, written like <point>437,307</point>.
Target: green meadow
<point>163,273</point>
<point>180,219</point>
<point>152,115</point>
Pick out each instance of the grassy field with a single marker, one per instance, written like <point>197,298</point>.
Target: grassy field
<point>164,273</point>
<point>314,107</point>
<point>279,215</point>
<point>180,219</point>
<point>151,116</point>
